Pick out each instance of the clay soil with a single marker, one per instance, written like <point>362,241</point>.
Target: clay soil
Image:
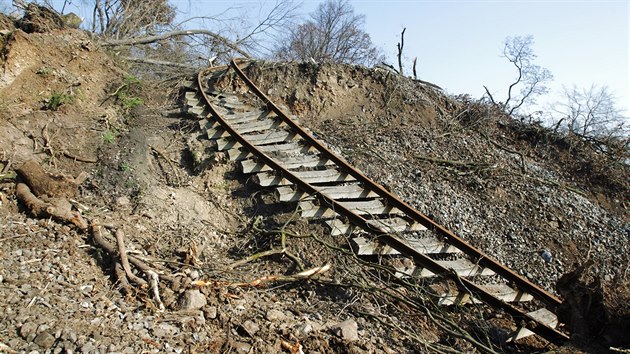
<point>142,169</point>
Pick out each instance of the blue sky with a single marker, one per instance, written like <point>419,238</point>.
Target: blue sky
<point>459,43</point>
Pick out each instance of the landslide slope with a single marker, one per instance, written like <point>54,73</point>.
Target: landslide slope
<point>536,201</point>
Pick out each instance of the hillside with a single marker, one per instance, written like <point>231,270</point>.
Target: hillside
<point>539,202</point>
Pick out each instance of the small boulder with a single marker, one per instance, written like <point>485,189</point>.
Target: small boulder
<point>347,330</point>
<point>193,300</point>
<point>44,340</point>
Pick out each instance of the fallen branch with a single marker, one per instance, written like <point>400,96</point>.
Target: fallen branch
<point>490,96</point>
<point>428,84</point>
<point>473,165</point>
<point>307,274</point>
<point>160,62</point>
<point>152,39</point>
<point>255,257</point>
<point>78,158</point>
<point>523,169</point>
<point>122,279</point>
<point>39,208</point>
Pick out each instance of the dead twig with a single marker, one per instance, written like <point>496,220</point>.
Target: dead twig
<point>78,158</point>
<point>307,274</point>
<point>168,161</point>
<point>154,281</point>
<point>496,144</point>
<point>255,257</point>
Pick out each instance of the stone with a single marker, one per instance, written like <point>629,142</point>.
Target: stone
<point>301,330</point>
<point>28,331</point>
<point>274,315</point>
<point>250,328</point>
<point>211,312</point>
<point>88,347</point>
<point>165,330</point>
<point>123,201</point>
<point>241,347</point>
<point>44,340</point>
<point>347,330</point>
<point>193,300</point>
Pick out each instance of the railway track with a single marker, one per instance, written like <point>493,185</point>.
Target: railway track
<point>271,145</point>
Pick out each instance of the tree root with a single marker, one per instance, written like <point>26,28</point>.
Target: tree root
<point>39,208</point>
<point>125,261</point>
<point>123,268</point>
<point>41,183</point>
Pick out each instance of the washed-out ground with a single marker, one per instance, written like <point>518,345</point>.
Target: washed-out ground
<point>510,189</point>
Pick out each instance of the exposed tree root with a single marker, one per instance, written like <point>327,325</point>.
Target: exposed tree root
<point>123,267</point>
<point>41,183</point>
<point>39,208</point>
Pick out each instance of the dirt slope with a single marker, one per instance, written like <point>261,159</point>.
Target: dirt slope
<point>465,165</point>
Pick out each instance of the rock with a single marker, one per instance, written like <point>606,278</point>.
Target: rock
<point>250,328</point>
<point>546,256</point>
<point>27,331</point>
<point>241,347</point>
<point>301,330</point>
<point>211,312</point>
<point>88,347</point>
<point>123,201</point>
<point>165,330</point>
<point>44,340</point>
<point>274,315</point>
<point>193,300</point>
<point>347,330</point>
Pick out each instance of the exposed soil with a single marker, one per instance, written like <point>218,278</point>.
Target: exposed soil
<point>511,189</point>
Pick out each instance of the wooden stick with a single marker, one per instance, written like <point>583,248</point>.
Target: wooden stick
<point>78,158</point>
<point>255,257</point>
<point>154,280</point>
<point>268,278</point>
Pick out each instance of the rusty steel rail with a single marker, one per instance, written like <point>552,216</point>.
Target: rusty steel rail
<point>464,285</point>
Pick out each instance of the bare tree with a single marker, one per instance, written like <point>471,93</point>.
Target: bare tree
<point>127,18</point>
<point>333,33</point>
<point>223,37</point>
<point>590,112</point>
<point>531,79</point>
